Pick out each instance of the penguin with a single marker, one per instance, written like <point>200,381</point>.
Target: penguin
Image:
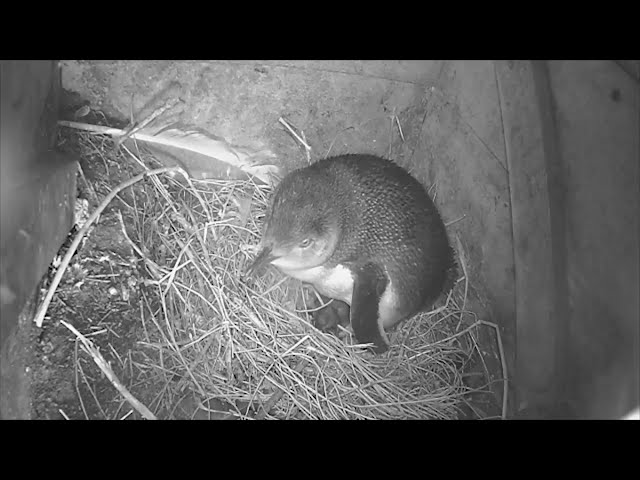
<point>364,232</point>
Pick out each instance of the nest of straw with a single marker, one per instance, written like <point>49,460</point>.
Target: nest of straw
<point>248,344</point>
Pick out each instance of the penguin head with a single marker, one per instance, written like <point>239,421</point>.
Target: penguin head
<point>301,228</point>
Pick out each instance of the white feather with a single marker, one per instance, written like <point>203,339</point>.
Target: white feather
<point>255,163</point>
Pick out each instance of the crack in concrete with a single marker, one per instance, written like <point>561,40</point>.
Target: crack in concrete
<point>326,70</point>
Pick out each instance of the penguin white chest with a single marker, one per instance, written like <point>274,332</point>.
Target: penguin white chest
<point>336,282</point>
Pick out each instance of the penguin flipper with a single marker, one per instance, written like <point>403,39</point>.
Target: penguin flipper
<point>369,283</point>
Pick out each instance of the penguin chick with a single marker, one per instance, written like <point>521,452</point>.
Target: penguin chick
<point>335,313</point>
<point>361,230</point>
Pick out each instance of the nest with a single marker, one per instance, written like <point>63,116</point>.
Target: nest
<point>247,346</point>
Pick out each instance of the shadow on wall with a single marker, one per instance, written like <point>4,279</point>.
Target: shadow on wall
<point>597,111</point>
<point>603,360</point>
<point>37,194</point>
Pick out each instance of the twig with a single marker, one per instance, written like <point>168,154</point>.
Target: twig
<point>284,122</point>
<point>127,415</point>
<point>307,150</point>
<point>92,391</point>
<point>326,155</point>
<point>275,398</point>
<point>390,136</point>
<point>131,117</point>
<point>456,220</point>
<point>76,366</point>
<point>399,127</point>
<point>106,369</point>
<point>153,267</point>
<point>90,188</point>
<point>505,378</point>
<point>39,318</point>
<point>463,264</point>
<point>169,104</point>
<point>431,188</point>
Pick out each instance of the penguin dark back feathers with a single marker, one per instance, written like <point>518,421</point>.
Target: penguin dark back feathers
<point>364,231</point>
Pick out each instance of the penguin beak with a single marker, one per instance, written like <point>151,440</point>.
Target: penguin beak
<point>264,257</point>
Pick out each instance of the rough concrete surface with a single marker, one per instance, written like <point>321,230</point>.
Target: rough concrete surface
<point>242,102</point>
<point>598,118</point>
<point>462,152</point>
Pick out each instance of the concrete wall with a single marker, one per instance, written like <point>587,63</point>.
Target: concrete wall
<point>597,107</point>
<point>37,193</point>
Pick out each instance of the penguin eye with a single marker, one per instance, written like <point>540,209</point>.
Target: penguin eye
<point>305,243</point>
